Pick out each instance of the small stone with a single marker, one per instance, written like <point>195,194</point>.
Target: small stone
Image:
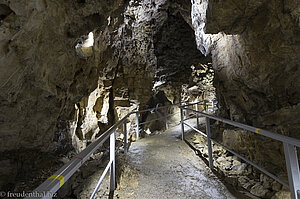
<point>259,190</point>
<point>226,165</point>
<point>236,163</point>
<point>239,169</point>
<point>276,186</point>
<point>266,181</point>
<point>221,159</point>
<point>282,195</point>
<point>196,141</point>
<point>64,160</point>
<point>133,138</point>
<point>245,182</point>
<point>236,158</point>
<point>229,158</point>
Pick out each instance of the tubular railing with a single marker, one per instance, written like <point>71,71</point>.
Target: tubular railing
<point>289,145</point>
<point>49,187</point>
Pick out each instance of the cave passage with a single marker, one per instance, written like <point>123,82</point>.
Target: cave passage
<point>164,166</point>
<point>71,70</point>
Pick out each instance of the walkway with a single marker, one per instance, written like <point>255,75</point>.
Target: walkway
<point>167,168</point>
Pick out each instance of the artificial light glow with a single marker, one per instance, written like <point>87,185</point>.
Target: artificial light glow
<point>148,131</point>
<point>90,40</point>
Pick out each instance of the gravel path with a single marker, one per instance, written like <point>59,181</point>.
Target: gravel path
<point>162,166</point>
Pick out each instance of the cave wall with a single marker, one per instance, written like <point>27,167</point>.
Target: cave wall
<point>255,54</point>
<point>41,78</point>
<point>53,98</point>
<point>178,59</point>
<point>258,72</point>
<point>67,97</point>
<point>127,82</point>
<point>150,58</point>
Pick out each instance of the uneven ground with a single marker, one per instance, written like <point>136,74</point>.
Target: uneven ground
<point>163,166</point>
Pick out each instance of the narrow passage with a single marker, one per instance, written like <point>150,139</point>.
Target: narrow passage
<point>163,166</point>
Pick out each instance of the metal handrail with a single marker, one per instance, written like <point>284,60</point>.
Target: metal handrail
<point>160,107</point>
<point>289,144</point>
<point>266,133</point>
<point>55,182</point>
<point>58,179</point>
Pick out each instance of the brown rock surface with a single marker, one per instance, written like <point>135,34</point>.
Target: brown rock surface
<point>255,54</point>
<point>41,78</point>
<point>54,97</point>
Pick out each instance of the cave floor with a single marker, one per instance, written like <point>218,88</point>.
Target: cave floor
<point>164,166</point>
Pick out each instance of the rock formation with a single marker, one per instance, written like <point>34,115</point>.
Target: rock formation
<point>41,77</point>
<point>60,90</point>
<point>257,75</point>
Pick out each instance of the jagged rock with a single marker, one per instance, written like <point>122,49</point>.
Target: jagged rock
<point>239,168</point>
<point>276,186</point>
<point>229,158</point>
<point>266,181</point>
<point>246,183</point>
<point>282,195</point>
<point>259,190</point>
<point>52,101</point>
<point>249,72</point>
<point>235,162</point>
<point>221,159</point>
<point>226,165</point>
<point>41,77</point>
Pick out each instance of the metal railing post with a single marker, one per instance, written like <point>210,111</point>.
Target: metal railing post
<point>292,165</point>
<point>210,158</point>
<point>182,125</point>
<point>166,116</point>
<point>197,116</point>
<point>137,127</point>
<point>187,111</point>
<point>125,136</point>
<point>62,175</point>
<point>113,163</point>
<point>213,106</point>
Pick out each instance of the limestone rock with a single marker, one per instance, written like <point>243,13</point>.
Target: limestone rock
<point>246,183</point>
<point>41,78</point>
<point>239,168</point>
<point>260,41</point>
<point>266,181</point>
<point>259,190</point>
<point>276,186</point>
<point>282,195</point>
<point>53,101</point>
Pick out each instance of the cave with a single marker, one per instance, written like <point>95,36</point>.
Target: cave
<point>70,71</point>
